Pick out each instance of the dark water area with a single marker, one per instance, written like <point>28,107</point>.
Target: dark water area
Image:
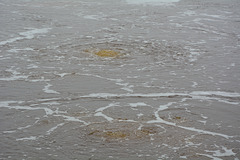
<point>171,92</point>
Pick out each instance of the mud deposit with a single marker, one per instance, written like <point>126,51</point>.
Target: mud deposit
<point>123,80</point>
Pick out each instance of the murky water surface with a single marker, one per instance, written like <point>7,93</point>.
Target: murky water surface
<point>171,91</point>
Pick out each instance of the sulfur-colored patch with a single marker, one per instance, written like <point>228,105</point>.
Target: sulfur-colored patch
<point>144,133</point>
<point>107,53</point>
<point>115,134</point>
<point>177,118</point>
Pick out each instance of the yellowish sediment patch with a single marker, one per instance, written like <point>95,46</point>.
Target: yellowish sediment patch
<point>177,117</point>
<point>125,134</point>
<point>103,52</point>
<point>107,53</point>
<point>115,134</point>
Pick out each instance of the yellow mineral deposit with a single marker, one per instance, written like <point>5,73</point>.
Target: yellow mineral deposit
<point>116,134</point>
<point>177,118</point>
<point>107,53</point>
<point>125,134</point>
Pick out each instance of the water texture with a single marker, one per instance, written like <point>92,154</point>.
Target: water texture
<point>171,92</point>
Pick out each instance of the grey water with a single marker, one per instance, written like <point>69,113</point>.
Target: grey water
<point>173,91</point>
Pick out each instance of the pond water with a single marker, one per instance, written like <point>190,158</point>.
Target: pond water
<point>150,1</point>
<point>92,79</point>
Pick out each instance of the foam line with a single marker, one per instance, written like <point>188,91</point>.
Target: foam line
<point>73,119</point>
<point>106,107</point>
<point>15,75</point>
<point>26,35</point>
<point>138,104</point>
<point>205,132</point>
<point>100,110</point>
<point>160,120</point>
<point>217,93</point>
<point>32,138</point>
<point>47,90</point>
<point>54,128</point>
<point>6,104</point>
<point>150,95</point>
<point>201,95</point>
<point>100,114</point>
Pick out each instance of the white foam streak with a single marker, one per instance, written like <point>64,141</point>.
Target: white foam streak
<point>100,114</point>
<point>30,34</point>
<point>201,95</point>
<point>54,128</point>
<point>27,138</point>
<point>100,110</point>
<point>11,40</point>
<point>218,153</point>
<point>106,107</point>
<point>26,35</point>
<point>16,50</point>
<point>72,119</point>
<point>6,104</point>
<point>110,95</point>
<point>206,155</point>
<point>204,132</point>
<point>160,120</point>
<point>163,107</point>
<point>49,99</point>
<point>47,90</point>
<point>217,93</point>
<point>138,104</point>
<point>7,132</point>
<point>20,128</point>
<point>15,76</point>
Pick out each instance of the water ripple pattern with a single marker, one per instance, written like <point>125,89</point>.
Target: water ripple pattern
<point>170,91</point>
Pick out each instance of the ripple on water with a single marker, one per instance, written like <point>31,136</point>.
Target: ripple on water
<point>154,51</point>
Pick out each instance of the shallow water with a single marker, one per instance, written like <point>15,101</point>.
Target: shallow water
<point>172,93</point>
<point>152,2</point>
